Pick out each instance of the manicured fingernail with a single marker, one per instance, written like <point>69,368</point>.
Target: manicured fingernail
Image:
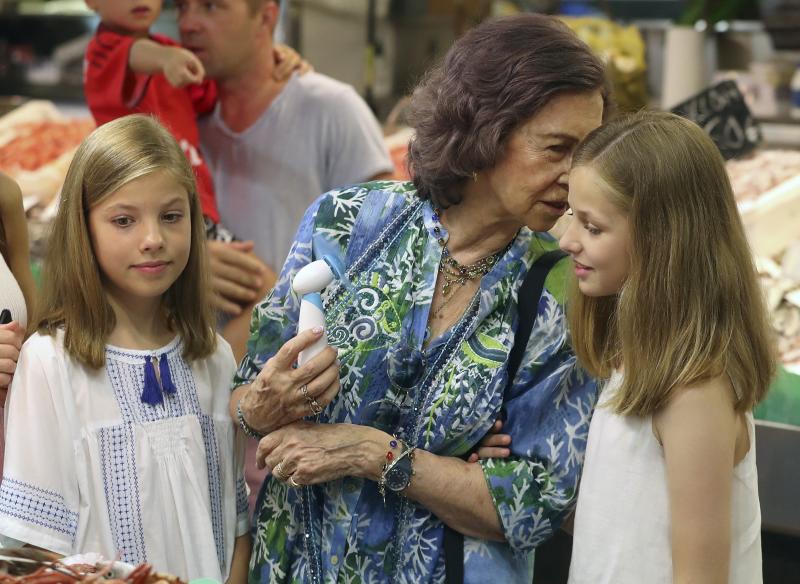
<point>316,330</point>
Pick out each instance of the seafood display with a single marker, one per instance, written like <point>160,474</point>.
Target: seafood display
<point>29,566</point>
<point>37,143</point>
<point>767,189</point>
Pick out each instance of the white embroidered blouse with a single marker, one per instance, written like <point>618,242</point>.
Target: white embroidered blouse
<point>89,467</point>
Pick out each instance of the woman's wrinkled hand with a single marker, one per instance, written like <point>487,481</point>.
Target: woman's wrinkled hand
<point>281,394</point>
<point>306,453</point>
<point>493,445</point>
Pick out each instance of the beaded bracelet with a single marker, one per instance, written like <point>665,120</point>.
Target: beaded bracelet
<point>391,460</point>
<point>246,428</point>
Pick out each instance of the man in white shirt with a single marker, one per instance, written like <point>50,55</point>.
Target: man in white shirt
<point>272,146</point>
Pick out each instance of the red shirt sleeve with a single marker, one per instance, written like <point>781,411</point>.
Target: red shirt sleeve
<point>110,87</point>
<point>203,95</point>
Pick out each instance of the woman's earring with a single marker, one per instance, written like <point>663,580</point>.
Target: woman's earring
<point>475,175</point>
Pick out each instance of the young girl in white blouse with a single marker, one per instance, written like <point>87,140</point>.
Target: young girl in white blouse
<point>666,305</point>
<point>119,439</point>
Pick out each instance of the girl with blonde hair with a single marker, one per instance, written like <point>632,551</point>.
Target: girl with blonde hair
<point>119,437</point>
<point>667,307</point>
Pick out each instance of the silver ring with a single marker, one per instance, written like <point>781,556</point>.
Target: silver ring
<point>304,391</point>
<point>277,472</point>
<point>293,483</point>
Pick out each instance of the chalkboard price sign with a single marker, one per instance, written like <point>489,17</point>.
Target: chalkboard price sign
<point>722,112</point>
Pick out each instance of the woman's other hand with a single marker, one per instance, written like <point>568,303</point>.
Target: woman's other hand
<point>493,445</point>
<point>11,336</point>
<point>310,453</point>
<point>282,394</point>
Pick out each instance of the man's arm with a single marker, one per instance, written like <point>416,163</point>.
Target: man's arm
<point>179,66</point>
<point>237,275</point>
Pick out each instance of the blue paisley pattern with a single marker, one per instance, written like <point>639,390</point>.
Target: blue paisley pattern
<point>342,531</point>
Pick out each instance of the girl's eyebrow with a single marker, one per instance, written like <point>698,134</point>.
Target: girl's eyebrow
<point>176,200</point>
<point>585,216</point>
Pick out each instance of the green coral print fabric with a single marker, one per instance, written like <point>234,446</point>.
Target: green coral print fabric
<point>342,531</point>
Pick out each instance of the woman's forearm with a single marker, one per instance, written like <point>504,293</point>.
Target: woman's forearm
<point>457,493</point>
<point>453,490</point>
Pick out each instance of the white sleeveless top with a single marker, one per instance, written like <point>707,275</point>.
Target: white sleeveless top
<point>11,295</point>
<point>622,523</point>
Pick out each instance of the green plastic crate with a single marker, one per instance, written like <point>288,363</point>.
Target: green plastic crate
<point>782,403</point>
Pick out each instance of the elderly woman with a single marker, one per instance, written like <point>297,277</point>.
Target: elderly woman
<point>420,333</point>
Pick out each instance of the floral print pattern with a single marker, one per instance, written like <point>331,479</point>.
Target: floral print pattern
<point>342,531</point>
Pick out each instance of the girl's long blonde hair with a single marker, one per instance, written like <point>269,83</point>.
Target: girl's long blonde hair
<point>691,308</point>
<point>73,298</point>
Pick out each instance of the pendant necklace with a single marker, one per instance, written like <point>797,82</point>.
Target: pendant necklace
<point>456,275</point>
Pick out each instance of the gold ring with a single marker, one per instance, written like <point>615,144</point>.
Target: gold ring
<point>313,404</point>
<point>316,409</point>
<point>277,472</point>
<point>294,483</point>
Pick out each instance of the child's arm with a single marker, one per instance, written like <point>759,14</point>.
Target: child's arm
<point>241,560</point>
<point>16,229</point>
<point>179,66</point>
<point>698,430</point>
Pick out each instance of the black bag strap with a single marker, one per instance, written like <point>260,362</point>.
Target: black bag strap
<point>527,302</point>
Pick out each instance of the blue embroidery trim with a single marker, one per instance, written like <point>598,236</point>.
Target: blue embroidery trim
<point>38,506</point>
<point>214,485</point>
<point>121,487</point>
<point>241,497</point>
<point>127,382</point>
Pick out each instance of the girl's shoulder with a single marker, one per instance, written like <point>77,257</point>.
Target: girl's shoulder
<point>10,193</point>
<point>44,356</point>
<point>715,390</point>
<point>45,345</point>
<point>9,187</point>
<point>223,351</point>
<point>221,361</point>
<point>709,404</point>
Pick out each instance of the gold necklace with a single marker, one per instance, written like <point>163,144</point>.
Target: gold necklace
<point>456,275</point>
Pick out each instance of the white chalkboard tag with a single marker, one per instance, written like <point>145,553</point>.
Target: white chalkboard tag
<point>722,112</point>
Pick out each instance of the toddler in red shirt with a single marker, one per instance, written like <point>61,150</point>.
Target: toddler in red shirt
<point>128,70</point>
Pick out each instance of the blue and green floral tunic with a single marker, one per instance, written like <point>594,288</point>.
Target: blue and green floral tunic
<point>342,531</point>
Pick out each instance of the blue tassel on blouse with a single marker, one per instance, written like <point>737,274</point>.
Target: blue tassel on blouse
<point>152,392</point>
<point>166,376</point>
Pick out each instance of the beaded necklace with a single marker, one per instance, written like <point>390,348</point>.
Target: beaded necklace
<point>456,275</point>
